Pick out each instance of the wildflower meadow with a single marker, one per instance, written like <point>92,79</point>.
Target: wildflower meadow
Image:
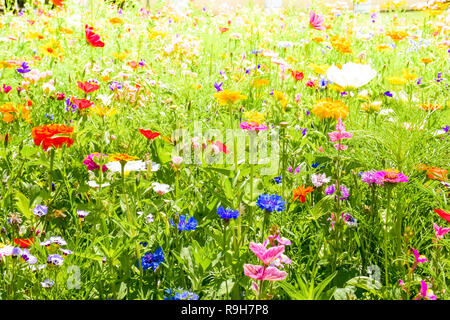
<point>152,150</point>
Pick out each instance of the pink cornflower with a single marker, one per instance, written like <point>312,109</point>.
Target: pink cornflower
<point>254,126</point>
<point>440,232</point>
<point>316,21</point>
<point>90,163</point>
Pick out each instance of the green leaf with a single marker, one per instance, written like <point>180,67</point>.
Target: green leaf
<point>291,291</point>
<point>23,204</point>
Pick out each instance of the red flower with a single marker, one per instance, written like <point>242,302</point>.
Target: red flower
<point>297,75</point>
<point>301,193</point>
<point>82,103</point>
<point>221,146</point>
<point>133,64</point>
<point>58,3</point>
<point>310,83</point>
<point>87,86</point>
<point>24,243</point>
<point>443,214</point>
<point>149,134</point>
<point>52,135</point>
<point>223,29</point>
<point>92,38</point>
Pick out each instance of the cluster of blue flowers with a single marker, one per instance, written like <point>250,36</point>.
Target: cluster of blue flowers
<point>227,214</point>
<point>185,223</point>
<point>270,202</point>
<point>152,260</point>
<point>180,295</point>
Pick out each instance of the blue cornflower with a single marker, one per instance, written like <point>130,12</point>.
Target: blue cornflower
<point>152,260</point>
<point>185,224</point>
<point>24,68</point>
<point>388,93</point>
<point>278,179</point>
<point>218,86</point>
<point>180,295</point>
<point>446,129</point>
<point>49,116</point>
<point>256,51</point>
<point>227,214</point>
<point>315,165</point>
<point>270,202</point>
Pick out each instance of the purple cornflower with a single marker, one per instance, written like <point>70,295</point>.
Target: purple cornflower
<point>344,191</point>
<point>185,223</point>
<point>218,86</point>
<point>419,81</point>
<point>142,63</point>
<point>24,68</point>
<point>114,85</point>
<point>388,93</point>
<point>439,77</point>
<point>70,104</point>
<point>40,210</point>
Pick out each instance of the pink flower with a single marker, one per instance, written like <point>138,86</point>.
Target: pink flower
<point>419,258</point>
<point>392,176</point>
<point>316,21</point>
<point>298,96</point>
<point>262,273</point>
<point>340,146</point>
<point>340,132</point>
<point>6,88</point>
<point>267,256</point>
<point>440,232</point>
<point>90,163</point>
<point>425,292</point>
<point>254,126</point>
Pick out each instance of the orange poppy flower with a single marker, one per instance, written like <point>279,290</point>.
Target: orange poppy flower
<point>24,243</point>
<point>301,193</point>
<point>437,173</point>
<point>52,135</point>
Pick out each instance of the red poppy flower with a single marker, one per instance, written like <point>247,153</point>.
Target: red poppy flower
<point>82,103</point>
<point>92,38</point>
<point>52,135</point>
<point>58,3</point>
<point>88,86</point>
<point>222,147</point>
<point>297,75</point>
<point>149,134</point>
<point>443,214</point>
<point>24,243</point>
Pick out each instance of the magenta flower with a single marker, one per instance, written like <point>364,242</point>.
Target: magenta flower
<point>316,21</point>
<point>392,176</point>
<point>372,177</point>
<point>418,258</point>
<point>90,163</point>
<point>340,134</point>
<point>254,126</point>
<point>425,292</point>
<point>267,256</point>
<point>440,232</point>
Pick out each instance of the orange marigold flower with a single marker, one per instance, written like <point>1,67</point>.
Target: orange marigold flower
<point>430,107</point>
<point>327,108</point>
<point>52,135</point>
<point>229,97</point>
<point>122,157</point>
<point>301,193</point>
<point>397,35</point>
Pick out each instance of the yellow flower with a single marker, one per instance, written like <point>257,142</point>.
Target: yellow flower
<point>327,108</point>
<point>121,157</point>
<point>281,98</point>
<point>383,47</point>
<point>254,116</point>
<point>34,35</point>
<point>115,20</point>
<point>52,48</point>
<point>372,106</point>
<point>320,69</point>
<point>397,81</point>
<point>407,75</point>
<point>228,97</point>
<point>259,83</point>
<point>426,60</point>
<point>122,55</point>
<point>103,111</point>
<point>65,30</point>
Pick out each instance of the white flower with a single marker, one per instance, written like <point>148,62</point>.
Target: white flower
<point>161,188</point>
<point>94,184</point>
<point>139,165</point>
<point>149,218</point>
<point>319,179</point>
<point>353,75</point>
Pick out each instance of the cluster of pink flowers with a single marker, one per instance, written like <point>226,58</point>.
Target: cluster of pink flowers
<point>272,258</point>
<point>91,164</point>
<point>340,134</point>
